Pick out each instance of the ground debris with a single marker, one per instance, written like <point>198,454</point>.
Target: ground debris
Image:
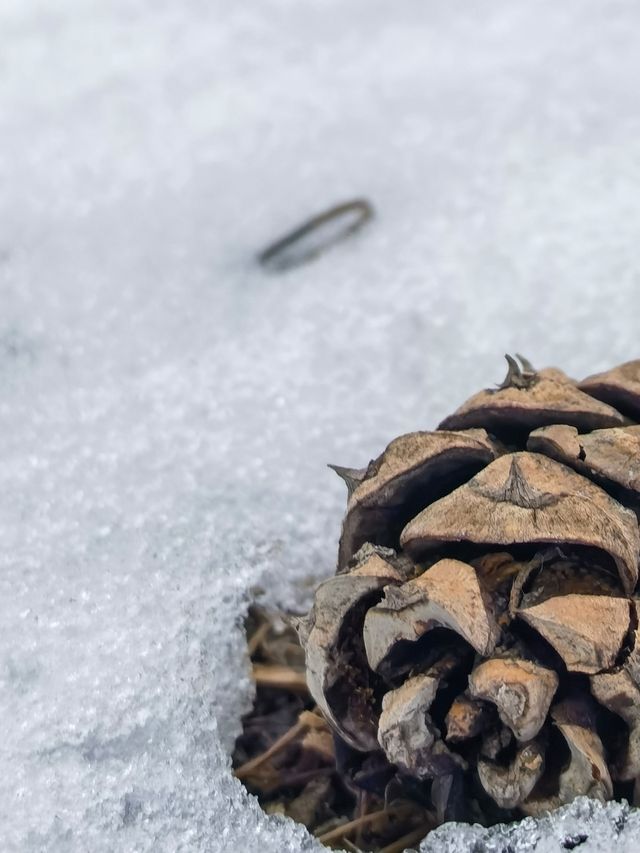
<point>287,758</point>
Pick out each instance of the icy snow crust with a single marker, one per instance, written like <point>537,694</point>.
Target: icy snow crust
<point>167,408</point>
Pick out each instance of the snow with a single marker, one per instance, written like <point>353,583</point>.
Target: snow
<point>586,825</point>
<point>167,407</point>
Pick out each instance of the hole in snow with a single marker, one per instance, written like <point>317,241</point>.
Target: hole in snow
<point>574,841</point>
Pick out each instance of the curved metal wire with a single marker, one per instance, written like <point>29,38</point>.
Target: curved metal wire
<point>277,256</point>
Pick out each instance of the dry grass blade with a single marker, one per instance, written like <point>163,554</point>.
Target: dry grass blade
<point>281,677</point>
<point>248,768</point>
<point>368,820</point>
<point>313,719</point>
<point>259,635</point>
<point>413,837</point>
<point>307,720</point>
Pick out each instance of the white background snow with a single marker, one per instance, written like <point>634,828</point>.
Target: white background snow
<point>167,408</point>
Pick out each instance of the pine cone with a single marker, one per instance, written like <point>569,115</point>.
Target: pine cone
<point>478,644</point>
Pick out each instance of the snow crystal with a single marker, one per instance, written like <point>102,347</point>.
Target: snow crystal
<point>587,825</point>
<point>167,408</point>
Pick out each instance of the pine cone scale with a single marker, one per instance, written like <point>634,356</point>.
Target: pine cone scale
<point>542,502</point>
<point>549,397</point>
<point>610,457</point>
<point>414,470</point>
<point>619,388</point>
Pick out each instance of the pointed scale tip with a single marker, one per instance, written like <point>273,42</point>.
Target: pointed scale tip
<point>351,476</point>
<point>514,374</point>
<point>527,367</point>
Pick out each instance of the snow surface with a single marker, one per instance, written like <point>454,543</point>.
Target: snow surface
<point>167,407</point>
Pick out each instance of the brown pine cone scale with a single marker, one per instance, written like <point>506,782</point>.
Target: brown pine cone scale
<point>481,633</point>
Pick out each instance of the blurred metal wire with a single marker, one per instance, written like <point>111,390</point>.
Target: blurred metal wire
<point>316,235</point>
